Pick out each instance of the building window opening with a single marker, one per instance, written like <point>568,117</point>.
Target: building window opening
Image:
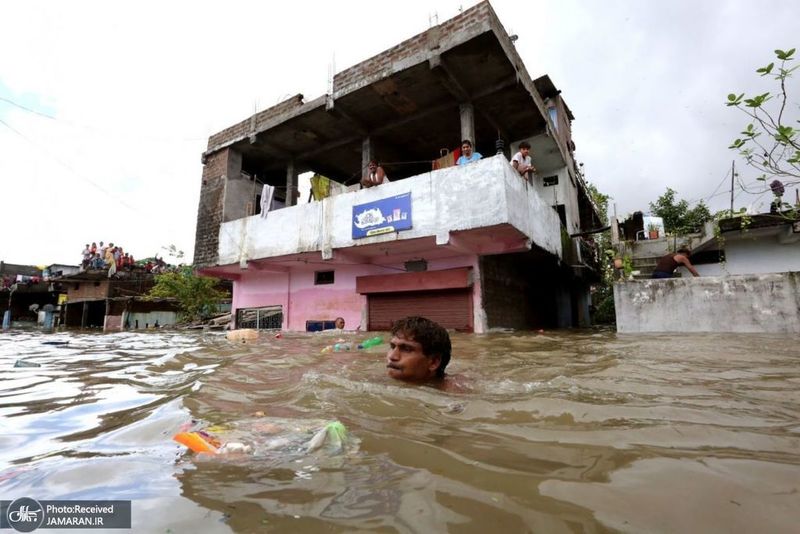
<point>549,181</point>
<point>323,277</point>
<point>266,318</point>
<point>319,326</point>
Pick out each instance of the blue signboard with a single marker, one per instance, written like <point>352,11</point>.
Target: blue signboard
<point>382,216</point>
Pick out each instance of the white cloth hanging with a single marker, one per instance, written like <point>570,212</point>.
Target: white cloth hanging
<point>267,192</point>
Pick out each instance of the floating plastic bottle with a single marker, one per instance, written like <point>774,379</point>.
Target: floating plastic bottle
<point>197,441</point>
<point>334,434</point>
<point>337,347</point>
<point>24,363</point>
<point>371,342</point>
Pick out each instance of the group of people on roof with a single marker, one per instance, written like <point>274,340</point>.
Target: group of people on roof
<point>521,161</point>
<point>108,257</point>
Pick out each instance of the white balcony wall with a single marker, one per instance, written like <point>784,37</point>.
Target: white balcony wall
<point>480,195</point>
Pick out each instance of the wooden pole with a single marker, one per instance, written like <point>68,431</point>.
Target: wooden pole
<point>733,175</point>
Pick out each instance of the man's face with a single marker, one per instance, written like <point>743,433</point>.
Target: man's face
<point>405,360</point>
<point>524,152</point>
<point>372,166</point>
<point>339,323</point>
<point>466,150</point>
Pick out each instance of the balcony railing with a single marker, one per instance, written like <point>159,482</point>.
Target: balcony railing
<point>486,194</point>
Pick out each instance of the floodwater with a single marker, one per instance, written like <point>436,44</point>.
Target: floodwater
<point>574,431</point>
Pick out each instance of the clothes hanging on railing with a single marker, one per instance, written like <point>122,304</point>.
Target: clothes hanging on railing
<point>267,192</point>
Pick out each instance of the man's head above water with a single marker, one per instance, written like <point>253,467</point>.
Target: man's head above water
<point>418,351</point>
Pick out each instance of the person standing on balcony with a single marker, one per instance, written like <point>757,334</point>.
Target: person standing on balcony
<point>375,175</point>
<point>522,161</point>
<point>467,154</point>
<point>665,268</point>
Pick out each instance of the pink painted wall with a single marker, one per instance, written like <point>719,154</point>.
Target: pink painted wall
<point>302,301</point>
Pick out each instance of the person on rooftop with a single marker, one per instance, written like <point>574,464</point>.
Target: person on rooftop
<point>375,175</point>
<point>522,161</point>
<point>467,154</point>
<point>87,257</point>
<point>665,268</point>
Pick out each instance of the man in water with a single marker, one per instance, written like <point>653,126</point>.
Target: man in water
<point>338,324</point>
<point>669,262</point>
<point>419,350</point>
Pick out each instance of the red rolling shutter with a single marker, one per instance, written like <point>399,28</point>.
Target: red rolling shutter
<point>451,308</point>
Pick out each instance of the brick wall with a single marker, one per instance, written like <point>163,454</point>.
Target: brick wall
<point>209,213</point>
<point>365,72</point>
<point>87,290</point>
<point>375,67</point>
<point>241,129</point>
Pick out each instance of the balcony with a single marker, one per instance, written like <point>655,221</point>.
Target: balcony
<point>483,208</point>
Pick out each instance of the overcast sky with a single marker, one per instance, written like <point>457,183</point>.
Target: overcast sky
<point>121,98</point>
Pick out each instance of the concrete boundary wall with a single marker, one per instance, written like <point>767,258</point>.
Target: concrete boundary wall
<point>767,303</point>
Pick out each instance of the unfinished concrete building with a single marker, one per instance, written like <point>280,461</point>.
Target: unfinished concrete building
<point>474,247</point>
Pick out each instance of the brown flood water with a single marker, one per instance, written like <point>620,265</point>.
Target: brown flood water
<point>572,431</point>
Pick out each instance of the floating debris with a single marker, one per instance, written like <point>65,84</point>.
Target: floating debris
<point>23,363</point>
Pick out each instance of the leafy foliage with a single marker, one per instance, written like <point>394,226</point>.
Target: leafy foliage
<point>600,200</point>
<point>678,218</point>
<point>197,296</point>
<point>603,293</point>
<point>770,144</point>
<point>173,251</point>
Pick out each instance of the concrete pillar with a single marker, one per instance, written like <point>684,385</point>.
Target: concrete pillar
<point>48,320</point>
<point>291,184</point>
<point>563,307</point>
<point>583,299</point>
<point>233,164</point>
<point>238,191</point>
<point>6,319</point>
<point>85,314</point>
<point>367,153</point>
<point>468,122</point>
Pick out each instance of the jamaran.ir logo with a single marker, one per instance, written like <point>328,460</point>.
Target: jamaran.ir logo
<point>25,514</point>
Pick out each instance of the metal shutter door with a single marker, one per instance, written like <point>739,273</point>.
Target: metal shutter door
<point>451,308</point>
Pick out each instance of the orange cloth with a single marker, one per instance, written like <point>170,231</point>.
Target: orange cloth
<point>447,160</point>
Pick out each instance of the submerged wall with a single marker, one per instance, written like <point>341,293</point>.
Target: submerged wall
<point>768,303</point>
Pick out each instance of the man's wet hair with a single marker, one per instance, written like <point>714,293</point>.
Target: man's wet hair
<point>685,251</point>
<point>434,339</point>
<point>524,144</point>
<point>466,142</point>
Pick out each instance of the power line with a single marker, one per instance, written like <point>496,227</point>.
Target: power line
<point>29,110</point>
<point>66,166</point>
<point>92,129</point>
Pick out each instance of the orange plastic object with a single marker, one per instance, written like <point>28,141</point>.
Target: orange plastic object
<point>195,442</point>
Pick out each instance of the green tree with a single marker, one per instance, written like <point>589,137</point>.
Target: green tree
<point>600,200</point>
<point>197,296</point>
<point>678,218</point>
<point>770,144</point>
<point>603,293</point>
